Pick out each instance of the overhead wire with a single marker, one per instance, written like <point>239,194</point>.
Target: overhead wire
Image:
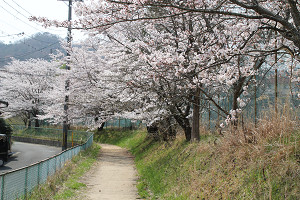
<point>21,7</point>
<point>23,20</point>
<point>9,35</point>
<point>14,9</point>
<point>4,59</point>
<point>20,19</point>
<point>31,37</point>
<point>41,50</point>
<point>5,34</point>
<point>29,14</point>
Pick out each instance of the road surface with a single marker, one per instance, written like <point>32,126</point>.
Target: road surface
<point>26,154</point>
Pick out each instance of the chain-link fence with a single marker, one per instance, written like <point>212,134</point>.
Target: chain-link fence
<point>74,137</point>
<point>122,123</point>
<point>19,183</point>
<point>261,98</point>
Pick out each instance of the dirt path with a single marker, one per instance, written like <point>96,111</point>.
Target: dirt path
<point>113,177</point>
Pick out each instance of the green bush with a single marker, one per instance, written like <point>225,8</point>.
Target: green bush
<point>5,128</point>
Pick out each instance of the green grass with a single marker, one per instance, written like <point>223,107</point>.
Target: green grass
<point>206,170</point>
<point>65,184</point>
<point>114,136</point>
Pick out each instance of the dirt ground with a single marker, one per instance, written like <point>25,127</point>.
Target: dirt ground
<point>113,177</point>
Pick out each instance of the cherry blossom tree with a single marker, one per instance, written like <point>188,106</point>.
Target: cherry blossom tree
<point>23,85</point>
<point>173,51</point>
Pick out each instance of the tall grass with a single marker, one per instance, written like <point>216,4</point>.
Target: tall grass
<point>256,162</point>
<point>250,163</point>
<point>65,184</point>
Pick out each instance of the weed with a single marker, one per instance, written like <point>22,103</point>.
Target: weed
<point>65,183</point>
<point>250,163</point>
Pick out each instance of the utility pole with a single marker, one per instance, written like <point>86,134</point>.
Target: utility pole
<point>67,84</point>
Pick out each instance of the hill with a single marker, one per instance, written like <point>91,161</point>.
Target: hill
<point>40,45</point>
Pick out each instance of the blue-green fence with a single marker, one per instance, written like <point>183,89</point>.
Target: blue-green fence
<point>19,183</point>
<point>122,123</point>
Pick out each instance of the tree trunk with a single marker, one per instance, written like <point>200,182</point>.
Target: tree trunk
<point>235,107</point>
<point>218,118</point>
<point>36,120</point>
<point>196,116</point>
<point>37,123</point>
<point>209,116</point>
<point>168,132</point>
<point>181,118</point>
<point>188,133</point>
<point>276,91</point>
<point>29,119</point>
<point>255,102</point>
<point>25,120</point>
<point>101,126</point>
<point>185,125</point>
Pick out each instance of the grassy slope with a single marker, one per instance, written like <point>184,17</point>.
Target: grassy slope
<point>225,168</point>
<point>65,184</point>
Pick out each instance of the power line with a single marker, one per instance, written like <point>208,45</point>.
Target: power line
<point>23,20</point>
<point>22,8</point>
<point>29,14</point>
<point>9,35</point>
<point>34,47</point>
<point>4,59</point>
<point>15,9</point>
<point>11,25</point>
<point>31,37</point>
<point>20,19</point>
<point>26,54</point>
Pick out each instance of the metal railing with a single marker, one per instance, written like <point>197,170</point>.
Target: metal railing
<point>19,183</point>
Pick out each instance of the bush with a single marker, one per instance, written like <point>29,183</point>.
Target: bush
<point>5,128</point>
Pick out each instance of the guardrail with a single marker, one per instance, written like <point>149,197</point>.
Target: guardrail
<point>19,183</point>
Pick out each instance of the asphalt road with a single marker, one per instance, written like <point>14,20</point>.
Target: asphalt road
<point>26,154</point>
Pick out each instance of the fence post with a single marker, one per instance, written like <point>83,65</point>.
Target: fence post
<point>60,161</point>
<point>25,186</point>
<point>63,157</point>
<point>55,164</point>
<point>38,176</point>
<point>48,161</point>
<point>2,187</point>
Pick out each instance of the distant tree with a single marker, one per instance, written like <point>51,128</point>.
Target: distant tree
<point>40,45</point>
<point>23,84</point>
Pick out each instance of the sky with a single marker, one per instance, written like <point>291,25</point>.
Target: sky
<point>14,16</point>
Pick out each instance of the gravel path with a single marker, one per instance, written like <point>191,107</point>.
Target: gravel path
<point>113,177</point>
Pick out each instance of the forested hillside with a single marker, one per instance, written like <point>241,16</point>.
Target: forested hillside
<point>41,45</point>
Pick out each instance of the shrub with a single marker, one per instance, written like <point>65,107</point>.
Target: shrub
<point>5,128</point>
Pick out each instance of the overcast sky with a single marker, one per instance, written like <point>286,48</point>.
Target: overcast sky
<point>14,16</point>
